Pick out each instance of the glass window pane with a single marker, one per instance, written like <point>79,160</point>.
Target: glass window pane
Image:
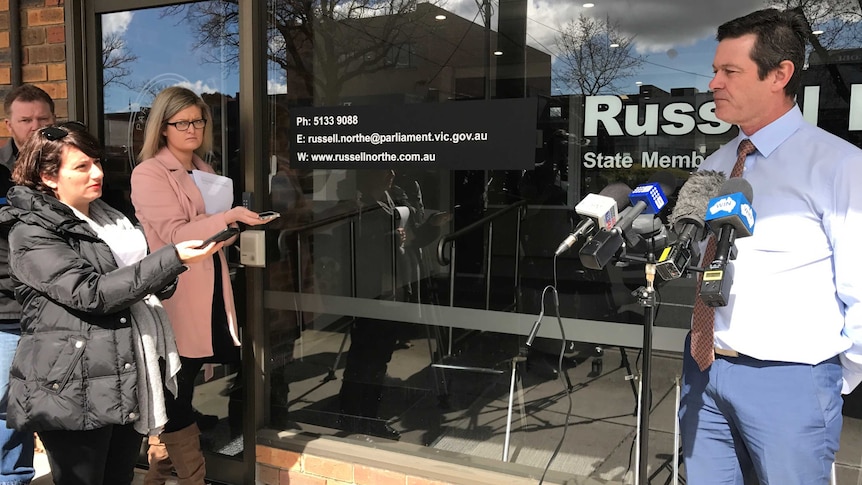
<point>377,329</point>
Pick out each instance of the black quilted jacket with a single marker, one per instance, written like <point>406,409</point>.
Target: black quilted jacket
<point>74,368</point>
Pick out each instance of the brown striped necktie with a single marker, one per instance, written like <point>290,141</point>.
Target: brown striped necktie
<point>703,318</point>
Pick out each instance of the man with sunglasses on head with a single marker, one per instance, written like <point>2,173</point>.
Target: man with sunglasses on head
<point>28,108</point>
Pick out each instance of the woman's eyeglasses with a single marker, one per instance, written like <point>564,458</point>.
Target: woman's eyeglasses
<point>184,124</point>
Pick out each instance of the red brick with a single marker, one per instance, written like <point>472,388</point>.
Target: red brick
<point>45,16</point>
<point>34,36</point>
<point>424,481</point>
<point>46,53</point>
<point>5,75</point>
<point>364,475</point>
<point>325,467</point>
<point>4,5</point>
<point>278,458</point>
<point>56,34</point>
<point>57,90</point>
<point>57,72</point>
<point>294,477</point>
<point>267,475</point>
<point>4,40</point>
<point>61,108</point>
<point>33,73</point>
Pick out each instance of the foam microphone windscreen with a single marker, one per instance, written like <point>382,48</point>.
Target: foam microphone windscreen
<point>694,196</point>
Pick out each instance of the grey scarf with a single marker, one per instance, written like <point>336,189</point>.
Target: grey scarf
<point>152,333</point>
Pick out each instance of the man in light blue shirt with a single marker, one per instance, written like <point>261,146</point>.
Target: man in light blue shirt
<point>789,341</point>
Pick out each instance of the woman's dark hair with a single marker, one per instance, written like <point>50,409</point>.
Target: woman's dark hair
<point>43,153</point>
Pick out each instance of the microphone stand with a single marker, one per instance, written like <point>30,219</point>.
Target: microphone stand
<point>647,299</point>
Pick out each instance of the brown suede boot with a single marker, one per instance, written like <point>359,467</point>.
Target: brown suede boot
<point>160,463</point>
<point>184,448</point>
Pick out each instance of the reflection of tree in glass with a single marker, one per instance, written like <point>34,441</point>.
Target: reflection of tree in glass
<point>839,20</point>
<point>325,44</point>
<point>594,54</point>
<point>838,25</point>
<point>115,60</point>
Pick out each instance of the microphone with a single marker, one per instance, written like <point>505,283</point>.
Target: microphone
<point>648,198</point>
<point>599,210</point>
<point>688,219</point>
<point>732,215</point>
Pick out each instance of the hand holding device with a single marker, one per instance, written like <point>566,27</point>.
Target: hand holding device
<point>193,251</point>
<point>220,236</point>
<point>268,215</point>
<point>243,215</point>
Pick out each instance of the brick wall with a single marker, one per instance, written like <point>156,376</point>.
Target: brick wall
<point>43,52</point>
<point>281,467</point>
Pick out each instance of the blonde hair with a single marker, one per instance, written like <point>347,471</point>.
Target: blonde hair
<point>169,102</point>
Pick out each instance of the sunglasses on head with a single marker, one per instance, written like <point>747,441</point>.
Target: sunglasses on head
<point>58,132</point>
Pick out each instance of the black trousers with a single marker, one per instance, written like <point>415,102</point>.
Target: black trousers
<point>181,413</point>
<point>103,456</point>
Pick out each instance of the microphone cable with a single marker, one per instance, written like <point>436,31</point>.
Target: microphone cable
<point>560,371</point>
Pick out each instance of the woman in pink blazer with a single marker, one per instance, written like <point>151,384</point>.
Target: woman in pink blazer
<point>170,208</point>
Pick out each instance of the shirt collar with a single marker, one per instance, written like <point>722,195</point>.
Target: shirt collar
<point>768,138</point>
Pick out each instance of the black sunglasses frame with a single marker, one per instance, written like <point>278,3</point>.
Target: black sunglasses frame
<point>58,132</point>
<point>53,133</point>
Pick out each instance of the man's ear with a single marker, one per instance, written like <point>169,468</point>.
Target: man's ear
<point>782,74</point>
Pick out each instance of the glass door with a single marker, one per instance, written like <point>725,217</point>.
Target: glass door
<point>144,51</point>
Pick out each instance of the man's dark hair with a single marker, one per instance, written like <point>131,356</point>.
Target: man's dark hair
<point>26,93</point>
<point>781,36</point>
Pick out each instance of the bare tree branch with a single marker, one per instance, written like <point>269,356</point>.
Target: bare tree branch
<point>115,61</point>
<point>323,43</point>
<point>594,54</point>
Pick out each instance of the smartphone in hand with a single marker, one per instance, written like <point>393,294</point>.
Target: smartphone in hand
<point>221,236</point>
<point>268,215</point>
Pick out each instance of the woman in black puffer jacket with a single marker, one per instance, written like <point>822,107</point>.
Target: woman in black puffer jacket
<point>86,374</point>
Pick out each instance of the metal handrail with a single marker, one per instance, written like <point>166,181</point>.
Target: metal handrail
<point>488,221</point>
<point>330,220</point>
<point>451,237</point>
<point>306,228</point>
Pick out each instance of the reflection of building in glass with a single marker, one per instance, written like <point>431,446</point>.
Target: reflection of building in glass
<point>415,57</point>
<point>829,83</point>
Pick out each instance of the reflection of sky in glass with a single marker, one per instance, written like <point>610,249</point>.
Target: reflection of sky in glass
<point>676,40</point>
<point>165,58</point>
